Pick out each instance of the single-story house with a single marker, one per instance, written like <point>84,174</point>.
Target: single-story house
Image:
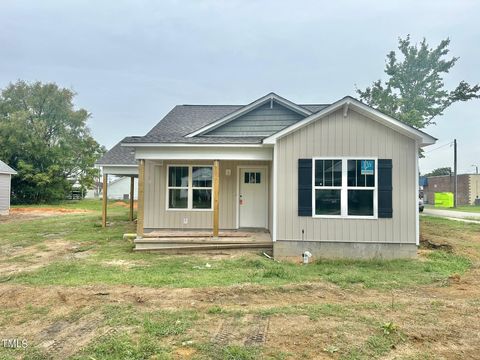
<point>6,173</point>
<point>336,180</point>
<point>119,189</point>
<point>468,187</point>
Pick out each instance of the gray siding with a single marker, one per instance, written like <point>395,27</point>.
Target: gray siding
<point>4,193</point>
<point>156,215</point>
<point>262,121</point>
<point>357,136</point>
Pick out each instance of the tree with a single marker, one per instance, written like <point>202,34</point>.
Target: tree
<point>46,139</point>
<point>414,92</point>
<point>440,171</point>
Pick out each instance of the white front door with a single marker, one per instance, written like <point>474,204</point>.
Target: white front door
<point>253,197</point>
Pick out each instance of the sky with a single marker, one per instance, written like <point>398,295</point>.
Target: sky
<point>130,62</point>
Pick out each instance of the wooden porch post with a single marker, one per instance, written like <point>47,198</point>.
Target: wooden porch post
<point>132,192</point>
<point>104,200</point>
<point>216,186</point>
<point>141,200</point>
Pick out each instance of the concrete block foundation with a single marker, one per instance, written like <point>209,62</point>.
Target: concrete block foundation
<point>292,250</point>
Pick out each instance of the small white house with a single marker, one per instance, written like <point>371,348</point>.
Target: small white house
<point>6,173</point>
<point>119,189</point>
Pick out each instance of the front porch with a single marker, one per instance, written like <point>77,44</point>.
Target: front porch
<point>183,241</point>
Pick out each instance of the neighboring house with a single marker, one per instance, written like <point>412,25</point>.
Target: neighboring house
<point>119,189</point>
<point>6,173</point>
<point>468,187</point>
<point>337,180</point>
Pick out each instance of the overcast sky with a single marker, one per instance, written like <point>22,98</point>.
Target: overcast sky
<point>131,61</point>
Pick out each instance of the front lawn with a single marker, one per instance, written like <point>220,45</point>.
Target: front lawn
<point>74,290</point>
<point>108,259</point>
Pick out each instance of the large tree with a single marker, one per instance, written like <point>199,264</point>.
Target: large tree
<point>414,92</point>
<point>47,140</point>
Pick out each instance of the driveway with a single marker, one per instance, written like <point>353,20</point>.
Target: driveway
<point>454,215</point>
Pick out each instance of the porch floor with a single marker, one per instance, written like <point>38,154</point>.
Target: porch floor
<point>177,241</point>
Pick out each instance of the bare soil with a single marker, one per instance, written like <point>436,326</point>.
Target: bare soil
<point>25,214</point>
<point>452,332</point>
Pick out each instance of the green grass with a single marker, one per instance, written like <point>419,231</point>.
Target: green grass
<point>466,208</point>
<point>154,270</point>
<point>124,346</point>
<point>182,272</point>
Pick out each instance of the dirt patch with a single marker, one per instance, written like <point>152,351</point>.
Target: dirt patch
<point>18,259</point>
<point>428,316</point>
<point>27,213</point>
<point>46,211</point>
<point>125,204</point>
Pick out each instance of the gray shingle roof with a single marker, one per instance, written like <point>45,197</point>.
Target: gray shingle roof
<point>185,119</point>
<point>179,122</point>
<point>5,169</point>
<point>119,155</point>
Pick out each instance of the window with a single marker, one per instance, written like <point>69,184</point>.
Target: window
<point>252,178</point>
<point>189,187</point>
<point>328,185</point>
<point>345,188</point>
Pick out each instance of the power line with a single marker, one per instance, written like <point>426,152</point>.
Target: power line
<point>440,147</point>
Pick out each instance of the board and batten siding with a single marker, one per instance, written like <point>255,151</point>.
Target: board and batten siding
<point>158,217</point>
<point>263,121</point>
<point>5,180</point>
<point>352,136</point>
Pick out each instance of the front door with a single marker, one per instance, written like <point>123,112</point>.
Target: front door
<point>253,197</point>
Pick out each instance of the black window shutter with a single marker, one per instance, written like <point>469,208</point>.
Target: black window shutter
<point>304,187</point>
<point>385,188</point>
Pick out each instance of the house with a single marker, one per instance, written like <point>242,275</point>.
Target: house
<point>337,180</point>
<point>119,189</point>
<point>468,187</point>
<point>6,173</point>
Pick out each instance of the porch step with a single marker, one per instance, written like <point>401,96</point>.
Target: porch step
<point>180,245</point>
<point>195,234</point>
<point>199,241</point>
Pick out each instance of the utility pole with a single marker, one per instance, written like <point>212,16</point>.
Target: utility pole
<point>455,173</point>
<point>476,169</point>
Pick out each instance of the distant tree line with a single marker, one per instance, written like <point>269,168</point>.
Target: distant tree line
<point>46,139</point>
<point>440,171</point>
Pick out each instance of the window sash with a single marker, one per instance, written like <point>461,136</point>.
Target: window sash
<point>189,189</point>
<point>344,189</point>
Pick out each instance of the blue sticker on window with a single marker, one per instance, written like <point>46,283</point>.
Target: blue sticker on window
<point>367,167</point>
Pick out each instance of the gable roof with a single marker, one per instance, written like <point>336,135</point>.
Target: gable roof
<point>347,102</point>
<point>183,120</point>
<point>5,169</point>
<point>188,124</point>
<point>119,155</point>
<point>247,108</point>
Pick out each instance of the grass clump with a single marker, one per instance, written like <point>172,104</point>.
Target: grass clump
<point>123,346</point>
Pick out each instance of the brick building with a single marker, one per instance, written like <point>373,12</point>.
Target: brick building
<point>468,186</point>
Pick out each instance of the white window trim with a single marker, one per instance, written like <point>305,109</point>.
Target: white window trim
<point>189,188</point>
<point>344,189</point>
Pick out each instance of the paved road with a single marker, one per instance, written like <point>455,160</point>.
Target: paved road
<point>455,215</point>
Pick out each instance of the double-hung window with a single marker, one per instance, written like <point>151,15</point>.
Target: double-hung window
<point>189,187</point>
<point>345,187</point>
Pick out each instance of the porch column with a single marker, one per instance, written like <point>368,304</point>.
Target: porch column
<point>132,192</point>
<point>141,200</point>
<point>104,200</point>
<point>216,186</point>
